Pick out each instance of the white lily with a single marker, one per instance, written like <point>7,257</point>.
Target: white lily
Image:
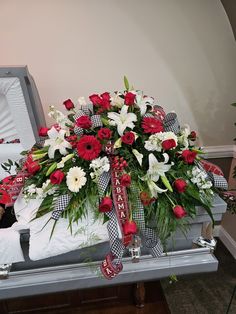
<point>56,141</point>
<point>61,164</point>
<point>143,102</point>
<point>123,119</point>
<point>138,155</point>
<point>157,169</point>
<point>154,189</point>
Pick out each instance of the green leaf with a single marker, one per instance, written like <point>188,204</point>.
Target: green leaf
<point>126,82</point>
<point>234,104</point>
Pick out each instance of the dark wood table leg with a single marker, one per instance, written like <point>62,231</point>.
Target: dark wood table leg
<point>139,294</point>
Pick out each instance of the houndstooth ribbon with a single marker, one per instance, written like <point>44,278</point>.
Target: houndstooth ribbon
<point>171,123</point>
<point>217,180</point>
<point>61,204</point>
<point>87,110</point>
<point>151,240</point>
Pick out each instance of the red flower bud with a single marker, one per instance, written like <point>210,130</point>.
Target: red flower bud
<point>168,144</point>
<point>68,104</point>
<point>179,212</point>
<point>43,131</point>
<point>188,156</point>
<point>105,205</point>
<point>57,177</point>
<point>180,185</point>
<point>125,180</point>
<point>193,136</point>
<point>130,227</point>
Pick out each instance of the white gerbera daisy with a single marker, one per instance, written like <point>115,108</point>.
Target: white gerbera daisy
<point>75,179</point>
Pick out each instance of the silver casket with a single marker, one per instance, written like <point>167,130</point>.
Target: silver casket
<point>20,119</point>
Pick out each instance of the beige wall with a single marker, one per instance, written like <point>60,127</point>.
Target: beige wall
<point>180,51</point>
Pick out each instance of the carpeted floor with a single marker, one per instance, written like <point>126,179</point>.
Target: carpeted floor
<point>204,293</point>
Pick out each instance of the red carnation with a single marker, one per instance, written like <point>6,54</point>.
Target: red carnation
<point>57,177</point>
<point>105,96</point>
<point>168,144</point>
<point>32,167</point>
<point>128,138</point>
<point>192,136</point>
<point>68,104</point>
<point>179,212</point>
<point>43,131</point>
<point>72,139</point>
<point>104,134</point>
<point>89,147</point>
<point>125,180</point>
<point>130,227</point>
<point>180,185</point>
<point>105,205</point>
<point>188,156</point>
<point>129,99</point>
<point>4,197</point>
<point>84,122</point>
<point>152,125</point>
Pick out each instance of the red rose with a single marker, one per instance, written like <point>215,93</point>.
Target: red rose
<point>125,180</point>
<point>105,205</point>
<point>56,177</point>
<point>179,211</point>
<point>130,227</point>
<point>180,185</point>
<point>43,132</point>
<point>128,138</point>
<point>129,99</point>
<point>68,104</point>
<point>192,136</point>
<point>4,197</point>
<point>152,125</point>
<point>168,144</point>
<point>188,156</point>
<point>89,147</point>
<point>104,134</point>
<point>84,122</point>
<point>95,99</point>
<point>32,167</point>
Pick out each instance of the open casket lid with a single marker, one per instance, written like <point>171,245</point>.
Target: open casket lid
<point>21,112</point>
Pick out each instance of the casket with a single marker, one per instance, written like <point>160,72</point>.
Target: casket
<point>72,270</point>
<point>21,113</point>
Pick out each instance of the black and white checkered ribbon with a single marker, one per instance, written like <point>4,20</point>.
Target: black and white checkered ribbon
<point>218,181</point>
<point>116,245</point>
<point>151,240</point>
<point>61,203</point>
<point>171,123</point>
<point>87,111</point>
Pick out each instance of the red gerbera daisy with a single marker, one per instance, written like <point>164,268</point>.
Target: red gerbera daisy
<point>152,125</point>
<point>89,147</point>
